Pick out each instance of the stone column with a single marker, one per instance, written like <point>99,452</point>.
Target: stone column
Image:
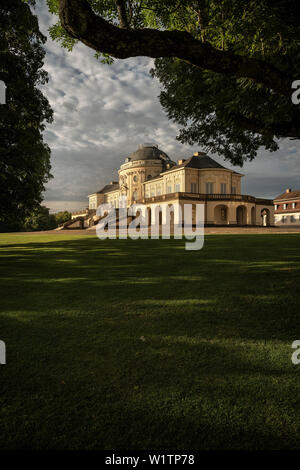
<point>210,214</point>
<point>248,215</point>
<point>232,214</point>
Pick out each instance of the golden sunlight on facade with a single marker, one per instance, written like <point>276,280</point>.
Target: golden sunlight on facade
<point>149,177</point>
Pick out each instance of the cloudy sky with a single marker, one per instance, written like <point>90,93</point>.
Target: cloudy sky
<point>102,113</point>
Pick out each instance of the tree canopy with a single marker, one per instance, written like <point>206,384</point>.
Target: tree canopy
<point>40,219</point>
<point>62,216</point>
<point>24,157</point>
<point>226,66</point>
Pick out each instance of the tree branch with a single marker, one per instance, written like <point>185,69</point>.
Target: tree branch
<point>80,22</point>
<point>121,9</point>
<point>280,129</point>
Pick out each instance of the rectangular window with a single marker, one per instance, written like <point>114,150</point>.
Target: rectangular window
<point>223,188</point>
<point>152,192</point>
<point>158,191</point>
<point>294,205</point>
<point>177,188</point>
<point>169,189</point>
<point>285,206</point>
<point>193,187</point>
<point>209,188</point>
<point>233,190</point>
<point>276,207</point>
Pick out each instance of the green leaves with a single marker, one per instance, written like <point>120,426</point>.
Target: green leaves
<point>58,34</point>
<point>232,117</point>
<point>40,219</point>
<point>24,157</point>
<point>53,6</point>
<point>235,98</point>
<point>104,58</point>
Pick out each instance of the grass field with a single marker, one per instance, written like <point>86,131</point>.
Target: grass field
<point>143,345</point>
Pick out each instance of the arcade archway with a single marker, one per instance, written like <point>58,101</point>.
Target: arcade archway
<point>241,215</point>
<point>265,216</point>
<point>221,215</point>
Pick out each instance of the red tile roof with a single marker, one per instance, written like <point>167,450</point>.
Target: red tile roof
<point>290,195</point>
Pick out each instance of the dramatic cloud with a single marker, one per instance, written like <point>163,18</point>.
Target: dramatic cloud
<point>102,114</point>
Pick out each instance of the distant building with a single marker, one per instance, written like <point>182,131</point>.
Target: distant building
<point>287,208</point>
<point>149,177</point>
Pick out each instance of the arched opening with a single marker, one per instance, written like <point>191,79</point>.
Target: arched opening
<point>170,217</point>
<point>221,215</point>
<point>265,216</point>
<point>148,218</point>
<point>253,216</point>
<point>160,216</point>
<point>139,216</point>
<point>241,215</point>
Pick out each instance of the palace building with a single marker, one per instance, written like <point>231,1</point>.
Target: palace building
<point>287,208</point>
<point>149,177</point>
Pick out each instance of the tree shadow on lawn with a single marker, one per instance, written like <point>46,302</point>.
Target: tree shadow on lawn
<point>75,384</point>
<point>236,287</point>
<point>144,345</point>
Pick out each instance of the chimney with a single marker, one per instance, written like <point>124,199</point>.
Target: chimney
<point>199,154</point>
<point>288,190</point>
<point>181,161</point>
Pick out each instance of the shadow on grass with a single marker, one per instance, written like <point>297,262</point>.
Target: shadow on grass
<point>136,345</point>
<point>236,286</point>
<point>89,382</point>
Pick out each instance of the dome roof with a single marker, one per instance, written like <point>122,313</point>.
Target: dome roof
<point>148,152</point>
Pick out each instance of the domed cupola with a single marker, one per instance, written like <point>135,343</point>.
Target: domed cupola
<point>147,162</point>
<point>148,152</point>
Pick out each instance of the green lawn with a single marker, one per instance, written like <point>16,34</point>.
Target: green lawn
<point>142,345</point>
